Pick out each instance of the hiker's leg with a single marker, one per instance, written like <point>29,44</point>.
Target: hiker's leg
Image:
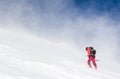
<point>94,63</point>
<point>89,60</point>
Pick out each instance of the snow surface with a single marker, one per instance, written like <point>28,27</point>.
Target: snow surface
<point>26,56</point>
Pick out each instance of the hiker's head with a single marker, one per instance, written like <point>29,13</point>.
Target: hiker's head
<point>86,48</point>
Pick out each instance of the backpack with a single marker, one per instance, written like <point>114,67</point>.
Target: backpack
<point>92,51</point>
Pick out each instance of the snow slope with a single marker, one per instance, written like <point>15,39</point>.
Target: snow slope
<point>26,56</point>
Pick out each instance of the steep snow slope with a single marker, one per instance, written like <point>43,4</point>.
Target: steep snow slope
<point>26,56</point>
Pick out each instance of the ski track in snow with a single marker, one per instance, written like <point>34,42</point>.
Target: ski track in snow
<point>20,59</point>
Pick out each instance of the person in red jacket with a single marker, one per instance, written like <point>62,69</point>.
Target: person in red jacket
<point>91,57</point>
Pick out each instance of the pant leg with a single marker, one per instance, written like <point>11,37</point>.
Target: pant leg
<point>94,63</point>
<point>89,62</point>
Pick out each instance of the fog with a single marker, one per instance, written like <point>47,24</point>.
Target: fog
<point>60,21</point>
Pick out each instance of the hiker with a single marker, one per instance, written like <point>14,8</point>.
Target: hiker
<point>91,57</point>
